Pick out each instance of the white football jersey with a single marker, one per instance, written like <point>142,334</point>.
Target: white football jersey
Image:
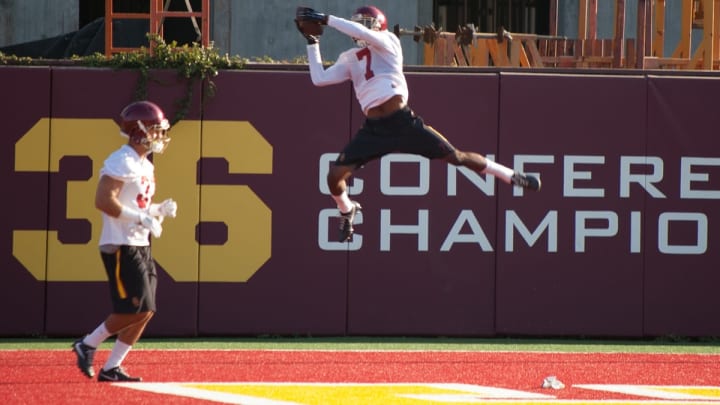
<point>138,176</point>
<point>376,70</point>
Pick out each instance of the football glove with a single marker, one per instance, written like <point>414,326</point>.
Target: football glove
<point>303,27</point>
<point>151,223</point>
<point>167,208</point>
<point>142,218</point>
<point>308,14</point>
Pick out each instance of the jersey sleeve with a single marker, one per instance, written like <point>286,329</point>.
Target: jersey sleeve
<point>359,31</point>
<point>118,166</point>
<point>337,73</point>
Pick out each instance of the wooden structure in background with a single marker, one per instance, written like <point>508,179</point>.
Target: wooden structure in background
<point>646,51</point>
<point>156,15</point>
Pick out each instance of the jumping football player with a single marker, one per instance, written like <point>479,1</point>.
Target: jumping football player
<point>124,196</point>
<point>375,68</point>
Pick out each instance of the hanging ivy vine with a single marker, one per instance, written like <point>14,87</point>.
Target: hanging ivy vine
<point>194,63</point>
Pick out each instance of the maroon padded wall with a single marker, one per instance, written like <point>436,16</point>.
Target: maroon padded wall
<point>300,289</point>
<point>565,289</point>
<point>620,242</point>
<point>415,290</point>
<point>681,297</point>
<point>75,307</point>
<point>26,99</point>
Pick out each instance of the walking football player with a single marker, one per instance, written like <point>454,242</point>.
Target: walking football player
<point>124,196</point>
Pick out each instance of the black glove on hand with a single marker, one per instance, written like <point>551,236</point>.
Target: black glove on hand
<point>311,39</point>
<point>308,14</point>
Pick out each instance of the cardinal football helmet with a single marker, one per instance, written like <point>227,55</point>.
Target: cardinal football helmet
<point>371,17</point>
<point>145,123</point>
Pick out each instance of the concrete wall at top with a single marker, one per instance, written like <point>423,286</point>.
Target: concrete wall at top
<point>33,20</point>
<point>252,29</point>
<point>257,29</point>
<point>266,28</point>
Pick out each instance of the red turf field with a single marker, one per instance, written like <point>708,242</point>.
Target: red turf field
<point>358,377</point>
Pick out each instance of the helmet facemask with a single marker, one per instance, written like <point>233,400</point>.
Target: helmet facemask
<point>369,22</point>
<point>156,139</point>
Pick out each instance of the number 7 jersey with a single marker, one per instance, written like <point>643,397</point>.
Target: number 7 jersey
<point>376,70</point>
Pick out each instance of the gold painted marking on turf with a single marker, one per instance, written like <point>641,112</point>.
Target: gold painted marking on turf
<point>706,392</point>
<point>251,393</point>
<point>400,394</point>
<point>666,392</point>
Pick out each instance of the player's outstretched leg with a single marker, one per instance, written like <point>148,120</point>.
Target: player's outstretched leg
<point>481,164</point>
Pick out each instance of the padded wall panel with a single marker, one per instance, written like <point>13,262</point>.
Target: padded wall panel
<point>86,105</point>
<point>281,273</point>
<point>682,241</point>
<point>23,167</point>
<point>425,264</point>
<point>567,265</point>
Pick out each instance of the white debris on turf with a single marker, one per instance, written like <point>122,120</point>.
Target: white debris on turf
<point>553,382</point>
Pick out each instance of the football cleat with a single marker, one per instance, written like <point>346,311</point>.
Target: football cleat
<point>116,374</point>
<point>527,181</point>
<point>85,355</point>
<point>346,223</point>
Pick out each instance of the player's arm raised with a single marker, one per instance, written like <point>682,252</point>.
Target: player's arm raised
<point>310,23</point>
<point>321,76</point>
<point>358,31</point>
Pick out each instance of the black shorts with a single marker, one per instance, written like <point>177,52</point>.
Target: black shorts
<point>400,132</point>
<point>132,278</point>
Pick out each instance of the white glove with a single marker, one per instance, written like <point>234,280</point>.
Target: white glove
<point>151,223</point>
<point>167,208</point>
<point>148,221</point>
